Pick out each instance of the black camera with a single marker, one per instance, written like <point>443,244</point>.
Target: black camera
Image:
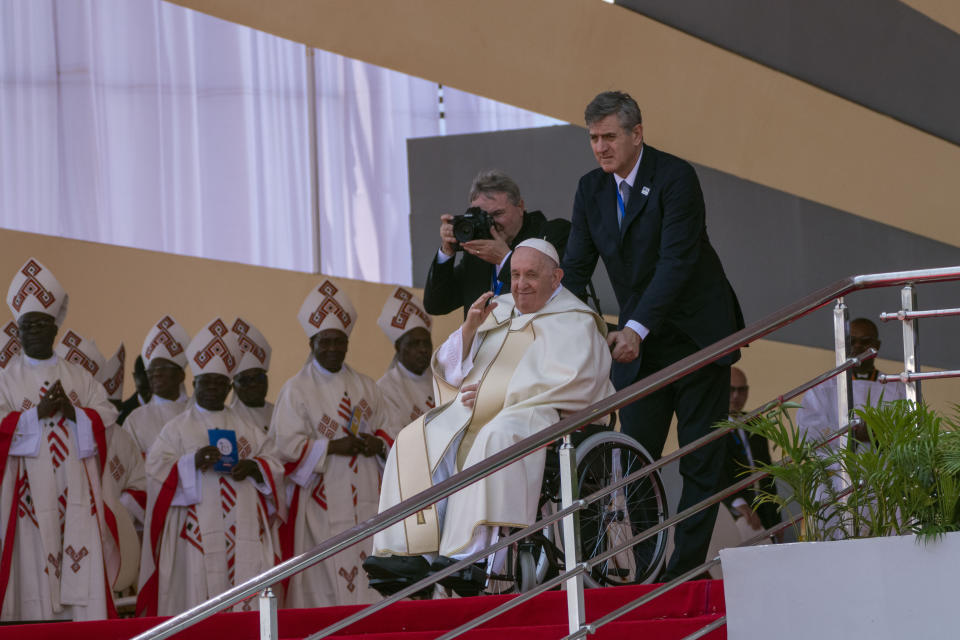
<point>474,224</point>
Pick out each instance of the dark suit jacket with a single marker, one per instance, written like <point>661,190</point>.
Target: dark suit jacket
<point>664,272</point>
<point>127,407</point>
<point>736,467</point>
<point>452,285</point>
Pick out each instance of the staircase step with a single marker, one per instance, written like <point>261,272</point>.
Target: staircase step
<point>673,615</point>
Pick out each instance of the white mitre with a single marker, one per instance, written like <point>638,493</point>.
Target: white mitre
<point>35,289</point>
<point>9,344</point>
<point>253,345</point>
<point>113,372</point>
<point>214,350</point>
<point>403,312</point>
<point>327,307</point>
<point>543,246</point>
<point>84,353</point>
<point>167,339</point>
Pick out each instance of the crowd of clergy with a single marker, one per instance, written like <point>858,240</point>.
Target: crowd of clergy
<point>176,495</point>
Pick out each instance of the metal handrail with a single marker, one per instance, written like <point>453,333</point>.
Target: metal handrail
<point>567,425</point>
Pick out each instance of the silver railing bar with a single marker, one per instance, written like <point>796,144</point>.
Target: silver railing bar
<point>426,498</point>
<point>913,315</point>
<point>669,586</point>
<point>651,383</point>
<point>518,600</point>
<point>909,376</point>
<point>453,568</point>
<point>582,502</point>
<point>713,626</point>
<point>591,627</point>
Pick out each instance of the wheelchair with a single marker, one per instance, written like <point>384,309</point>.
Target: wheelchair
<point>603,456</point>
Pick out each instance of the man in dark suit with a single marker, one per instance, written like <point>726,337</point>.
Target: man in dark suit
<point>744,451</point>
<point>642,212</point>
<point>485,265</point>
<point>143,392</point>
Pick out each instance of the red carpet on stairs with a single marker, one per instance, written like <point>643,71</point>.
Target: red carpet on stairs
<point>670,617</point>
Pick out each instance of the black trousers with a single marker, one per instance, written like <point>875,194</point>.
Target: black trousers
<point>699,400</point>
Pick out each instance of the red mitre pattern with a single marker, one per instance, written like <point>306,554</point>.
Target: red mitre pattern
<point>32,287</point>
<point>408,308</point>
<point>247,344</point>
<point>11,344</point>
<point>209,351</point>
<point>75,354</point>
<point>114,384</point>
<point>164,338</point>
<point>330,306</point>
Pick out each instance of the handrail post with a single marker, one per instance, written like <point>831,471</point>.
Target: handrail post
<point>841,346</point>
<point>268,615</point>
<point>911,341</point>
<point>576,611</point>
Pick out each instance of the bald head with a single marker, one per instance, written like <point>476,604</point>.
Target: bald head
<point>738,390</point>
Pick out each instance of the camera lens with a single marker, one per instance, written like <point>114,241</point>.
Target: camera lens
<point>463,229</point>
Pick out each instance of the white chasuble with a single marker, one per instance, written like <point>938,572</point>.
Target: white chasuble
<point>528,371</point>
<point>328,493</point>
<point>257,416</point>
<point>59,546</point>
<point>205,532</point>
<point>410,395</point>
<point>145,423</point>
<point>124,486</point>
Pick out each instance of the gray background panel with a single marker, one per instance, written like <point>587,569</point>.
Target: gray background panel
<point>881,54</point>
<point>775,247</point>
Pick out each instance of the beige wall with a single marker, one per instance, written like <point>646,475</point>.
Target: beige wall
<point>116,294</point>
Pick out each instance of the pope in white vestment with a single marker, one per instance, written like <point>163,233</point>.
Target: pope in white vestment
<point>537,351</point>
<point>59,554</point>
<point>207,530</point>
<point>330,427</point>
<point>408,384</point>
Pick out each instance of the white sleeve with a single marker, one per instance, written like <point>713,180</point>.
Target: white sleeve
<point>190,482</point>
<point>315,455</point>
<point>262,487</point>
<point>638,328</point>
<point>450,357</point>
<point>86,445</point>
<point>26,437</point>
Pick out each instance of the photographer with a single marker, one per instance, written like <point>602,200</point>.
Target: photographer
<point>485,264</point>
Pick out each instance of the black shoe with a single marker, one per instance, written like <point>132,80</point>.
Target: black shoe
<point>410,568</point>
<point>467,582</point>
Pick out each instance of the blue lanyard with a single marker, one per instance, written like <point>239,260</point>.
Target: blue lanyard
<point>496,284</point>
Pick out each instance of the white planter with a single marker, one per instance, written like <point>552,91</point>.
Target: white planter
<point>873,589</point>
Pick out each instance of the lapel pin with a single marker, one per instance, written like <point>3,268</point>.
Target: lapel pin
<point>645,191</point>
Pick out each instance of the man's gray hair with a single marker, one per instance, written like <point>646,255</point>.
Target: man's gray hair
<point>614,102</point>
<point>490,181</point>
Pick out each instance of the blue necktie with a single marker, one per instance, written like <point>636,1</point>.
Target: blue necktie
<point>623,197</point>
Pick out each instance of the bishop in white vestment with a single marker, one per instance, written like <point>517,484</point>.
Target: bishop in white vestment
<point>59,554</point>
<point>408,384</point>
<point>331,427</point>
<point>250,381</point>
<point>164,355</point>
<point>509,371</point>
<point>208,529</point>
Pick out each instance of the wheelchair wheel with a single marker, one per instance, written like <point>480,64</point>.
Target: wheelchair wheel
<point>603,459</point>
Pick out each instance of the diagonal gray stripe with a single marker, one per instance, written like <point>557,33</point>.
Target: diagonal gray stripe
<point>881,54</point>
